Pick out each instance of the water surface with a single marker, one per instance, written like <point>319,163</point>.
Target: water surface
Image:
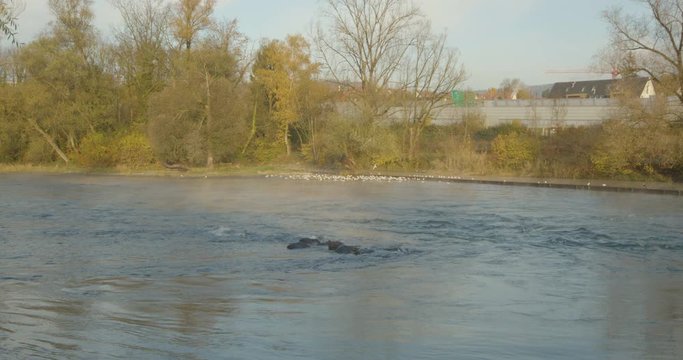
<point>119,268</point>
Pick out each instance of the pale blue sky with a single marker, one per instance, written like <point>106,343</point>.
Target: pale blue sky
<point>497,39</point>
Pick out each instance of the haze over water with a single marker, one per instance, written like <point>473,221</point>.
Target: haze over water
<point>119,267</point>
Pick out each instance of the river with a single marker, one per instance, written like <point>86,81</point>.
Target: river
<point>113,267</point>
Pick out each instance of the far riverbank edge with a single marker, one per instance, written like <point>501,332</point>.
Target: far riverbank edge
<point>576,184</point>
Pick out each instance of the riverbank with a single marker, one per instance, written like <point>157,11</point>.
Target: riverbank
<point>577,184</point>
<point>220,170</point>
<point>300,172</point>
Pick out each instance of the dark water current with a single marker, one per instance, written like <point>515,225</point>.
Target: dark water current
<point>95,267</point>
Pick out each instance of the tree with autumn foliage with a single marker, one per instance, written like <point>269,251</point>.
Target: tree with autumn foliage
<point>282,74</point>
<point>8,18</point>
<point>189,18</point>
<point>68,91</point>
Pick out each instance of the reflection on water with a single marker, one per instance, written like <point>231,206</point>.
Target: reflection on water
<point>653,301</point>
<point>111,267</point>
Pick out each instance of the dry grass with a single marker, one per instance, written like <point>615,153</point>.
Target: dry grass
<point>157,170</point>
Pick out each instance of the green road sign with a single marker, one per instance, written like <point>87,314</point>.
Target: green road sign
<point>458,98</point>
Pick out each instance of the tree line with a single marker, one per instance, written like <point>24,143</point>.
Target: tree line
<point>176,85</point>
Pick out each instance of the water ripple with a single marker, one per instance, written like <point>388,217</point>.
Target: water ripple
<point>119,268</point>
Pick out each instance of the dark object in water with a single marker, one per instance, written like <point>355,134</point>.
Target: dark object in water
<point>348,249</point>
<point>174,166</point>
<point>336,246</point>
<point>340,248</point>
<point>333,245</point>
<point>303,243</point>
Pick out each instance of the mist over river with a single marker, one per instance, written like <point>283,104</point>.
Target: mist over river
<point>111,267</point>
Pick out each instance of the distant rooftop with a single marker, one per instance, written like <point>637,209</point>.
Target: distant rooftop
<point>602,89</point>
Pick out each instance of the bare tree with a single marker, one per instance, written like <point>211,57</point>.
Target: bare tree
<point>433,70</point>
<point>141,49</point>
<point>652,43</point>
<point>612,59</point>
<point>363,45</point>
<point>558,113</point>
<point>145,26</point>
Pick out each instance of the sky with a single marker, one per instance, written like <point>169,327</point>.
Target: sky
<point>497,39</point>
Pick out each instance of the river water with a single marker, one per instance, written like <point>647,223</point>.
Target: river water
<point>106,267</point>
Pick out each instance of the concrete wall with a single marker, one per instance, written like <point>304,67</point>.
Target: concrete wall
<point>541,113</point>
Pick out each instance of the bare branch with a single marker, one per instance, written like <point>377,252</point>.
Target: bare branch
<point>365,42</point>
<point>652,44</point>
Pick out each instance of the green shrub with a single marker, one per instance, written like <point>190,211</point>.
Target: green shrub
<point>39,152</point>
<point>134,150</point>
<point>514,151</point>
<point>490,133</point>
<point>96,151</point>
<point>267,151</point>
<point>639,145</point>
<point>381,149</point>
<point>611,162</point>
<point>329,148</point>
<point>459,154</point>
<point>13,144</point>
<point>567,153</point>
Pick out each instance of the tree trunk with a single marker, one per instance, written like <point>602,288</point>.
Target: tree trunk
<point>49,140</point>
<point>312,141</point>
<point>253,129</point>
<point>410,144</point>
<point>414,142</point>
<point>209,118</point>
<point>287,144</point>
<point>209,160</point>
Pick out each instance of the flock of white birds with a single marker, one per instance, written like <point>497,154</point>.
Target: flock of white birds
<point>361,178</point>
